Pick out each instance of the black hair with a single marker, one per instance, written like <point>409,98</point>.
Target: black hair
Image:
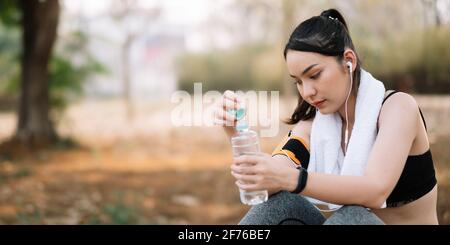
<point>326,34</point>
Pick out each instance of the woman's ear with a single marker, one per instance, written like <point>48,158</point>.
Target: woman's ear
<point>350,56</point>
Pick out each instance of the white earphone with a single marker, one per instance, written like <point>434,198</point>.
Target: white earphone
<point>350,66</point>
<point>350,69</point>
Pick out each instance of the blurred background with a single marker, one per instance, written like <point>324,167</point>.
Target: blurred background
<point>85,98</point>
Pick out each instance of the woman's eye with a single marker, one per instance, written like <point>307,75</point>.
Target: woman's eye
<point>297,82</point>
<point>315,76</point>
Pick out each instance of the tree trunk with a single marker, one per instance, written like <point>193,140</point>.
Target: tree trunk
<point>437,16</point>
<point>431,13</point>
<point>39,23</point>
<point>126,75</point>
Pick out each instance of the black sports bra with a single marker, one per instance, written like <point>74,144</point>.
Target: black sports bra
<point>417,179</point>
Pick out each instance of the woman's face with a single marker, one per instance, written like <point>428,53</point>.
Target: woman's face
<point>322,81</point>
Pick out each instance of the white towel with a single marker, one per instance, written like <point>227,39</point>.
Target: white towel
<point>326,152</point>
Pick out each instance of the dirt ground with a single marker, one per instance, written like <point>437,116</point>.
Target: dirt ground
<point>144,171</point>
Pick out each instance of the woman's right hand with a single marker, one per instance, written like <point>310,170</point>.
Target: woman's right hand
<point>229,101</point>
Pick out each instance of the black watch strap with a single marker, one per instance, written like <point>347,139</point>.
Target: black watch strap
<point>302,178</point>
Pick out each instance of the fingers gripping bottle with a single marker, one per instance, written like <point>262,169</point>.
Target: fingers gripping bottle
<point>246,142</point>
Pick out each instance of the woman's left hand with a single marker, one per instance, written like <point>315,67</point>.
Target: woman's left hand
<point>262,172</point>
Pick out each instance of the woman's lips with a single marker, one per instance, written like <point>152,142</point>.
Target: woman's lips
<point>319,104</point>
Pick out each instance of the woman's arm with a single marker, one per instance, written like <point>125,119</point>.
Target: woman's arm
<point>301,130</point>
<point>398,123</point>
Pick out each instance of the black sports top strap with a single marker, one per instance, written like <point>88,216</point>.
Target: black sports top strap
<point>389,95</point>
<point>421,114</point>
<point>423,119</point>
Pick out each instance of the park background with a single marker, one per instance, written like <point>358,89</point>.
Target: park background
<point>86,135</point>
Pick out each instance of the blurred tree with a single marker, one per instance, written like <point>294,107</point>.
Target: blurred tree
<point>39,22</point>
<point>274,19</point>
<point>256,19</point>
<point>131,19</point>
<point>432,15</point>
<point>45,82</point>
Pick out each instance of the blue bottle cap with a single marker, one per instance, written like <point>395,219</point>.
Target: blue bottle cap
<point>238,114</point>
<point>242,126</point>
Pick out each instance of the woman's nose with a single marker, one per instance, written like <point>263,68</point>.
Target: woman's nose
<point>308,90</point>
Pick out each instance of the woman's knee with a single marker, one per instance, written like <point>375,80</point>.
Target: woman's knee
<point>353,215</point>
<point>283,208</point>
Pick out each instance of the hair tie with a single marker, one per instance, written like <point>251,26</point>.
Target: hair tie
<point>333,18</point>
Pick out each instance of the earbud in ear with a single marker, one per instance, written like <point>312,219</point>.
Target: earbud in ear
<point>350,66</point>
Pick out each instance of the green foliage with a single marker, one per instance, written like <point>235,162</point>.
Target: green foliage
<point>23,172</point>
<point>70,66</point>
<point>35,216</point>
<point>9,57</point>
<point>9,45</point>
<point>434,66</point>
<point>119,212</point>
<point>414,61</point>
<point>17,174</point>
<point>251,66</point>
<point>66,79</point>
<point>418,60</point>
<point>9,12</point>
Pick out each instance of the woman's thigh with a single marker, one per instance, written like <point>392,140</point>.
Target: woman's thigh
<point>283,208</point>
<point>353,215</point>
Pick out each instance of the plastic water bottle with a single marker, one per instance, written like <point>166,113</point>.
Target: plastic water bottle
<point>246,142</point>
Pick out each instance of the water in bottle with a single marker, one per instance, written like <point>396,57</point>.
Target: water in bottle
<point>246,142</point>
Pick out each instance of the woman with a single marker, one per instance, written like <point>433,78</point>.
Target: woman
<point>399,171</point>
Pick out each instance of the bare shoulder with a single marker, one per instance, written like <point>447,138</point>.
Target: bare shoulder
<point>303,129</point>
<point>399,107</point>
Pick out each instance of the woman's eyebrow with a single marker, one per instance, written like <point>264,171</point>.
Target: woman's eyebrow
<point>309,68</point>
<point>306,70</point>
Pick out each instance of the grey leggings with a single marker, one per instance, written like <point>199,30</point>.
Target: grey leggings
<point>285,208</point>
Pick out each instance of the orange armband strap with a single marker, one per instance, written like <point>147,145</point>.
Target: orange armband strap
<point>296,149</point>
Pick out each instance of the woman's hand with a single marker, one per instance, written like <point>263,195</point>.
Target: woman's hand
<point>222,118</point>
<point>263,172</point>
